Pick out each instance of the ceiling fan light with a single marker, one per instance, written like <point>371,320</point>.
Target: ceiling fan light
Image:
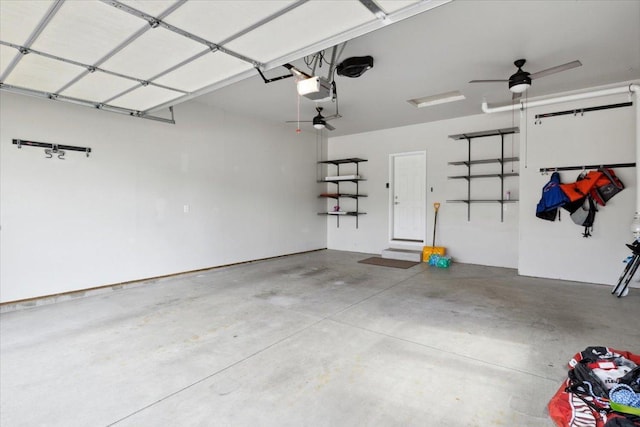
<point>519,82</point>
<point>520,87</point>
<point>318,122</point>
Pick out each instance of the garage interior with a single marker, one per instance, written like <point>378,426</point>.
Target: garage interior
<point>173,253</point>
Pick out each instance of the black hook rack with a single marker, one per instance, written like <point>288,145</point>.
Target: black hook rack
<point>581,111</point>
<point>575,168</point>
<point>51,148</point>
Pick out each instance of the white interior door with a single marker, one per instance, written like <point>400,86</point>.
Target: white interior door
<point>408,196</point>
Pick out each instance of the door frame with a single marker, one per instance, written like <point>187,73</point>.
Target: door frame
<point>392,241</point>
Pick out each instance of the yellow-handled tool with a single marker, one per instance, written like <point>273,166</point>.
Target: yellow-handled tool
<point>427,251</point>
<point>436,206</point>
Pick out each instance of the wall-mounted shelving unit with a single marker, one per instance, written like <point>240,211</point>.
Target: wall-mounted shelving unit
<point>340,180</point>
<point>469,176</point>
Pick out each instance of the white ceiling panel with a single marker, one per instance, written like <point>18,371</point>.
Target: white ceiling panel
<point>98,87</point>
<point>390,6</point>
<point>86,31</point>
<point>152,7</point>
<point>18,19</point>
<point>152,53</point>
<point>296,29</point>
<point>6,56</point>
<point>145,97</point>
<point>216,21</point>
<point>40,73</point>
<point>204,71</point>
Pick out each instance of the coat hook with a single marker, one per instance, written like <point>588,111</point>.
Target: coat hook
<point>51,149</point>
<point>583,172</point>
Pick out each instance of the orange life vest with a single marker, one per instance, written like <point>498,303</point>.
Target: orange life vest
<point>579,189</point>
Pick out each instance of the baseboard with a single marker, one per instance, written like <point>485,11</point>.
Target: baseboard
<point>23,304</point>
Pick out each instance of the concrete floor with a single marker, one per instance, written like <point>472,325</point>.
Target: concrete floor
<point>308,340</point>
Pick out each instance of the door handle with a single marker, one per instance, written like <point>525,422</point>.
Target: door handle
<point>396,203</point>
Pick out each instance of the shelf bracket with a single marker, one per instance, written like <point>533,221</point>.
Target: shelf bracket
<point>468,177</point>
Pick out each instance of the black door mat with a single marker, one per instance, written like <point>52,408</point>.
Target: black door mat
<point>386,262</point>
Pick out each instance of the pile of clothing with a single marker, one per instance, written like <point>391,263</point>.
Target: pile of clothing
<point>602,389</point>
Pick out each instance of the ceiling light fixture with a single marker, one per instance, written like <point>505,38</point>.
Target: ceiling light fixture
<point>521,80</point>
<point>520,87</point>
<point>442,98</point>
<point>318,122</point>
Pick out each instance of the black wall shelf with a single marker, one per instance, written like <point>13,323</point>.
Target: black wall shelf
<point>484,161</point>
<point>340,195</point>
<point>484,133</point>
<point>342,214</point>
<point>336,181</point>
<point>355,160</point>
<point>469,162</point>
<point>485,175</point>
<point>483,201</point>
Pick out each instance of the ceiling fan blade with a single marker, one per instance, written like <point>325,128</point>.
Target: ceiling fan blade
<point>327,125</point>
<point>334,116</point>
<point>557,69</point>
<point>489,81</point>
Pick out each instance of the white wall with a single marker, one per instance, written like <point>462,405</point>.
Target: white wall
<point>557,250</point>
<point>536,247</point>
<point>119,215</point>
<point>483,240</point>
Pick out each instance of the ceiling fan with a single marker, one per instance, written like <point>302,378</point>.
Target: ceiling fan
<point>319,121</point>
<point>521,80</point>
